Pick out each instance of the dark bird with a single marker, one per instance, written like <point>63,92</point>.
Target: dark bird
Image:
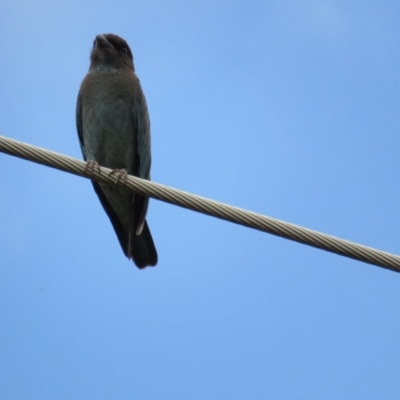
<point>114,131</point>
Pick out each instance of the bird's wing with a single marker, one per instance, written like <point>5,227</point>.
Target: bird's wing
<point>79,126</point>
<point>141,124</point>
<point>142,129</point>
<point>119,230</point>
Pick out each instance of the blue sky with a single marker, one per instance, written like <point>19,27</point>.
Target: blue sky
<point>286,108</point>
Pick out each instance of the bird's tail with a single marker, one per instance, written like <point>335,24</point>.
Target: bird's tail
<point>142,249</point>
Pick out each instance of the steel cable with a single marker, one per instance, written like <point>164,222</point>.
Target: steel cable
<point>205,206</point>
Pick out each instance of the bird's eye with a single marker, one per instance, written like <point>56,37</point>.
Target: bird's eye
<point>124,50</point>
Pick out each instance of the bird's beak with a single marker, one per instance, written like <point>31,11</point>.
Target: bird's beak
<point>101,41</point>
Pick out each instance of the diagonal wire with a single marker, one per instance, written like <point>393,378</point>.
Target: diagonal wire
<point>205,206</point>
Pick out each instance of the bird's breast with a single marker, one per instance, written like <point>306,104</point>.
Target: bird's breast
<point>108,127</point>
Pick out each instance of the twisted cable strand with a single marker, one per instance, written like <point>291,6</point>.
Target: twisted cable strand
<point>205,206</point>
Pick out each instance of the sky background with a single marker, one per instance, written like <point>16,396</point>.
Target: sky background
<point>286,108</point>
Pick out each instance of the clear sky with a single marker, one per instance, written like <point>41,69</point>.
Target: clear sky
<point>287,108</point>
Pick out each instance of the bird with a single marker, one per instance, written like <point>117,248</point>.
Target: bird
<point>114,131</point>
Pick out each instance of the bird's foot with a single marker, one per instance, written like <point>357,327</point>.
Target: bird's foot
<point>91,166</point>
<point>121,176</point>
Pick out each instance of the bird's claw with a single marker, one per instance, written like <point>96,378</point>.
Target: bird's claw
<point>121,175</point>
<point>91,166</point>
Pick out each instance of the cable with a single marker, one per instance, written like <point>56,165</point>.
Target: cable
<point>205,206</point>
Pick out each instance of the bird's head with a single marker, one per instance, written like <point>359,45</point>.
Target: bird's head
<point>110,52</point>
